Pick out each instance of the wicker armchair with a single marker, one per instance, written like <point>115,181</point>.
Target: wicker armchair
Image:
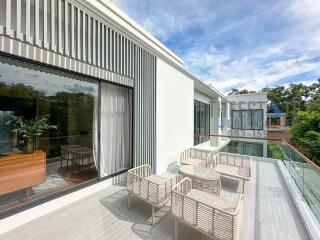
<point>193,156</point>
<point>215,216</point>
<point>153,189</point>
<point>233,165</point>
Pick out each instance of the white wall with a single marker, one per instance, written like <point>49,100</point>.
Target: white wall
<point>175,95</point>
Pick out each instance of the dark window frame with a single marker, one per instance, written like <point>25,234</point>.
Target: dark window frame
<point>206,107</point>
<point>246,110</point>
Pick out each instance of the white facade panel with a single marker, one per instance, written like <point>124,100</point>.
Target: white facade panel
<point>175,95</point>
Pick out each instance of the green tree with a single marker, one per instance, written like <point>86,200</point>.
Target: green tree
<point>305,133</point>
<point>314,90</point>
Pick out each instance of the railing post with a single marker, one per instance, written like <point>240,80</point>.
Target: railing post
<point>197,207</point>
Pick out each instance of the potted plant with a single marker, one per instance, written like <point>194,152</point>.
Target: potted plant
<point>30,129</point>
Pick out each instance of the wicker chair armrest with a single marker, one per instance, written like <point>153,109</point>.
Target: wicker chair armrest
<point>185,154</point>
<point>143,169</point>
<point>184,184</point>
<point>175,179</point>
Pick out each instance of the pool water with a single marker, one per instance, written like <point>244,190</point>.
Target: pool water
<point>269,149</point>
<point>244,148</point>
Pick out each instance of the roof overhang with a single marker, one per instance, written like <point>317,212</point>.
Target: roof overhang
<point>208,90</point>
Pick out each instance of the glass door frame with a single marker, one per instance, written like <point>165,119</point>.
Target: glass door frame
<point>31,64</point>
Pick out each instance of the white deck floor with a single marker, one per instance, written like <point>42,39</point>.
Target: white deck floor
<point>270,214</point>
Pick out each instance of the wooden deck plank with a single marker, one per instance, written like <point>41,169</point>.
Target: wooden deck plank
<point>270,214</point>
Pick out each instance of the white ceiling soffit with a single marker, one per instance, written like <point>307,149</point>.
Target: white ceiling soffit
<point>208,90</point>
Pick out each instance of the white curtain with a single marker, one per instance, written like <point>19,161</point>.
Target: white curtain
<point>257,119</point>
<point>95,135</point>
<point>236,119</point>
<point>246,119</point>
<point>115,129</point>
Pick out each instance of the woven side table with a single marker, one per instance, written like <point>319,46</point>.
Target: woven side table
<point>204,179</point>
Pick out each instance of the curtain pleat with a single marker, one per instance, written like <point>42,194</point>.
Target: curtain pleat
<point>115,129</point>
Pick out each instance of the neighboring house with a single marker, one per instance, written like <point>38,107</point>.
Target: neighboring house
<point>118,97</point>
<point>248,115</point>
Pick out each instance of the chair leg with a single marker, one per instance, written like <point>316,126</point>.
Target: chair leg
<point>175,229</point>
<point>243,186</point>
<point>128,200</point>
<point>152,215</point>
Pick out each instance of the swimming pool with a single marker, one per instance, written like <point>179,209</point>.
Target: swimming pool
<point>244,148</point>
<point>269,149</point>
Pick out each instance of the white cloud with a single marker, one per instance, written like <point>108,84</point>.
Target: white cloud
<point>163,18</point>
<point>246,45</point>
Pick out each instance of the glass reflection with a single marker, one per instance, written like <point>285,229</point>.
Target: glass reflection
<point>62,156</point>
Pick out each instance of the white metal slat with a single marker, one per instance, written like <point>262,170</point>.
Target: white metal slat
<point>53,26</point>
<point>99,45</point>
<point>9,31</point>
<point>116,52</point>
<point>73,32</point>
<point>121,55</point>
<point>60,27</point>
<point>107,47</point>
<point>127,58</point>
<point>94,39</point>
<point>79,24</point>
<point>112,50</point>
<point>103,51</point>
<point>89,39</point>
<point>45,24</point>
<point>66,28</point>
<point>85,30</point>
<point>29,38</point>
<point>19,33</point>
<point>37,23</point>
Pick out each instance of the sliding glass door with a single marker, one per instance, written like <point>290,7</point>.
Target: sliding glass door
<point>58,131</point>
<point>201,122</point>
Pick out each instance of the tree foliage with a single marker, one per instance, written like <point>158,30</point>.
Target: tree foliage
<point>305,133</point>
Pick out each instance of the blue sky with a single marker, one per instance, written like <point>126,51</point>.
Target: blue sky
<point>237,44</point>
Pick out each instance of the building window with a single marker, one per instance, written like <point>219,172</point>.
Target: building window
<point>64,151</point>
<point>201,122</point>
<point>247,119</point>
<point>236,119</point>
<point>257,119</point>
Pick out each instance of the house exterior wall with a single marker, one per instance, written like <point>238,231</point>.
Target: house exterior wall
<point>175,95</point>
<point>246,102</point>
